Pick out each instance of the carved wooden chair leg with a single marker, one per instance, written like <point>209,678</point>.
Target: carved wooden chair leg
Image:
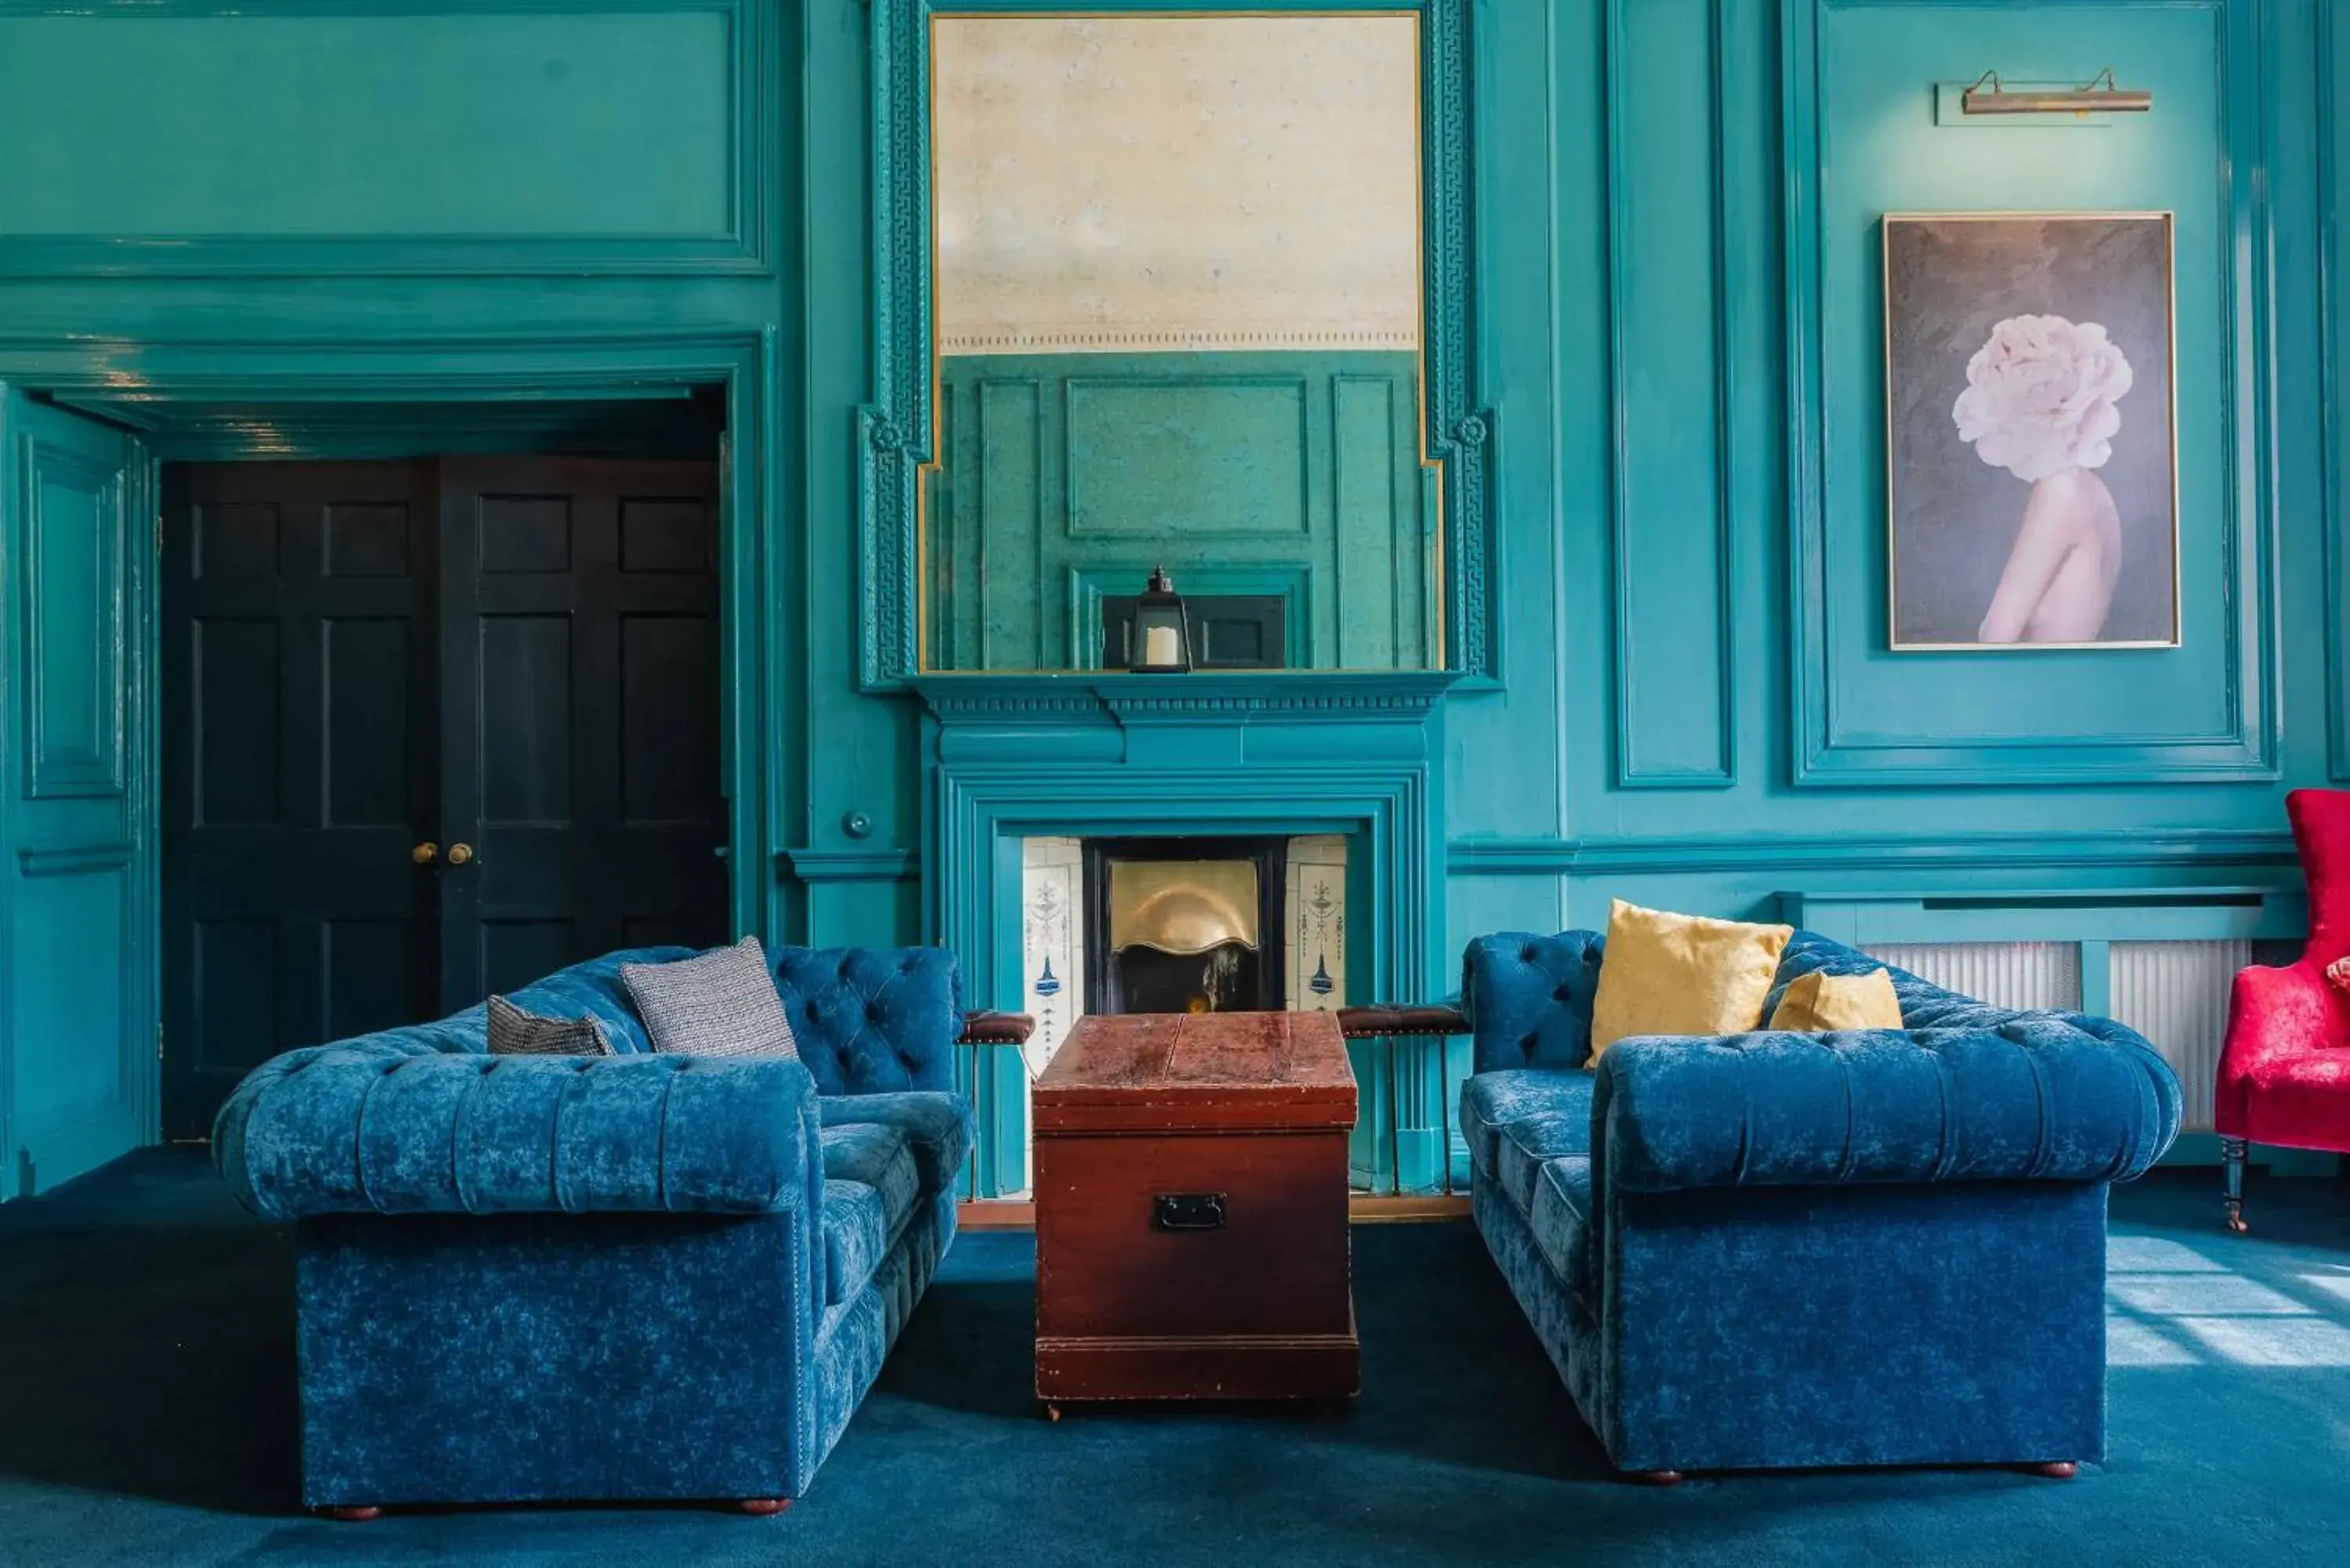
<point>2231,1154</point>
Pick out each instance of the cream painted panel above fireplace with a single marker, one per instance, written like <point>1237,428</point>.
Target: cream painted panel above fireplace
<point>1113,184</point>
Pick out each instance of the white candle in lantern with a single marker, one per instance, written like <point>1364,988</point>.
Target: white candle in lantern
<point>1158,645</point>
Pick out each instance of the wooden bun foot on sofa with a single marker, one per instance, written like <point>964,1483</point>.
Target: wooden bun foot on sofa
<point>758,1507</point>
<point>1656,1478</point>
<point>352,1512</point>
<point>2055,1469</point>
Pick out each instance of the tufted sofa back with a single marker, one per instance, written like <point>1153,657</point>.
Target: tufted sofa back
<point>869,1021</point>
<point>1528,998</point>
<point>873,1021</point>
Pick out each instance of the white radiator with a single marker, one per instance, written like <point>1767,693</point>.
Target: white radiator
<point>2005,974</point>
<point>2176,994</point>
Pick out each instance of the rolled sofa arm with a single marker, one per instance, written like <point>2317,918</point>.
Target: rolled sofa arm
<point>1375,1020</point>
<point>370,1129</point>
<point>991,1028</point>
<point>2041,1098</point>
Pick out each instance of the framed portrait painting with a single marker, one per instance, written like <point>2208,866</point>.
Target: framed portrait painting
<point>2032,491</point>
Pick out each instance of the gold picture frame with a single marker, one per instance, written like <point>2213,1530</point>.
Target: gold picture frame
<point>2020,349</point>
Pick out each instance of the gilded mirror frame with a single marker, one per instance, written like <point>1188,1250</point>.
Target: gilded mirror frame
<point>896,431</point>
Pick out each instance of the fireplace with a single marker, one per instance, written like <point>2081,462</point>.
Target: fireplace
<point>1022,771</point>
<point>1220,921</point>
<point>1184,925</point>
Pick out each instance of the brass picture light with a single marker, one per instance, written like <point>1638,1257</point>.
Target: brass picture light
<point>2099,95</point>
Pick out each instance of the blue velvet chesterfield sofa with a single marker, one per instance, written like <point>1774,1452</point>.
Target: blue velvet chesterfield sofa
<point>635,1276</point>
<point>1775,1249</point>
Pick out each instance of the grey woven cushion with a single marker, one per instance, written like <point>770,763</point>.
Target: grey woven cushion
<point>718,1004</point>
<point>514,1032</point>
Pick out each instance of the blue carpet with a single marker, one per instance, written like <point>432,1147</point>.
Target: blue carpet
<point>147,1416</point>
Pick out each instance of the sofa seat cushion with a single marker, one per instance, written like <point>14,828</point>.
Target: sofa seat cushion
<point>1560,1218</point>
<point>1492,1103</point>
<point>870,1189</point>
<point>857,1237</point>
<point>1528,1145</point>
<point>936,1128</point>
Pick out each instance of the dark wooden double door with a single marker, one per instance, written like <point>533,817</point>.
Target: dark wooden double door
<point>431,729</point>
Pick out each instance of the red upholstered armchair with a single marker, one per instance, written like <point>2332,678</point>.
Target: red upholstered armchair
<point>2284,1072</point>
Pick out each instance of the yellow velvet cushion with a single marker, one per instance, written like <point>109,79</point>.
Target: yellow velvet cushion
<point>1682,975</point>
<point>1815,1001</point>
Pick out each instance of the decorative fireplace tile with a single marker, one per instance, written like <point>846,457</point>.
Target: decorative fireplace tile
<point>1316,911</point>
<point>1053,942</point>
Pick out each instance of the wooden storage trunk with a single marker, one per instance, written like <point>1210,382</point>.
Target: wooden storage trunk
<point>1191,1179</point>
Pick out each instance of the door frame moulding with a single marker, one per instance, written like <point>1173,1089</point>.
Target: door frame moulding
<point>96,376</point>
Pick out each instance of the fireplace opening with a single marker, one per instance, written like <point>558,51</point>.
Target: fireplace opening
<point>1184,925</point>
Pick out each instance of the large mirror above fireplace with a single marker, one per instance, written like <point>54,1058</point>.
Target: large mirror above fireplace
<point>1176,321</point>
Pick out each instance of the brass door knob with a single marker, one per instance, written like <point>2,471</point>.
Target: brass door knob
<point>425,853</point>
<point>460,853</point>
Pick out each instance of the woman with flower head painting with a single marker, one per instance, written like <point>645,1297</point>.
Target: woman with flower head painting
<point>2030,440</point>
<point>2040,403</point>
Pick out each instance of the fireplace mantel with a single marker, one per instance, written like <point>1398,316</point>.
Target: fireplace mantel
<point>1221,696</point>
<point>1008,757</point>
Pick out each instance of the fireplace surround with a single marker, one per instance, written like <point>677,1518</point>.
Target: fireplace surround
<point>1009,759</point>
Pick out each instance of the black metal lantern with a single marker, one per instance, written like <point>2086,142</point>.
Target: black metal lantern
<point>1163,633</point>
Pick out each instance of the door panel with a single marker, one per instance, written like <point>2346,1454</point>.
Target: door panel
<point>299,763</point>
<point>76,1013</point>
<point>516,655</point>
<point>579,719</point>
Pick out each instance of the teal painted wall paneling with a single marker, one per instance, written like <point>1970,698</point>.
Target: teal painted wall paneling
<point>858,761</point>
<point>78,1013</point>
<point>586,135</point>
<point>1176,451</point>
<point>1070,476</point>
<point>2267,72</point>
<point>2331,189</point>
<point>1541,272</point>
<point>1863,142</point>
<point>1674,541</point>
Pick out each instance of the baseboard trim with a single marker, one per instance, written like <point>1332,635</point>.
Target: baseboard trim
<point>1364,1209</point>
